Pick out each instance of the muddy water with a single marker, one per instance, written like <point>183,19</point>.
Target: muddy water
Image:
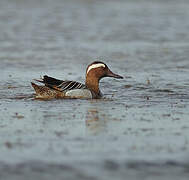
<point>140,129</point>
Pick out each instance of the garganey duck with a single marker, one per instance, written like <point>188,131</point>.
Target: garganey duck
<point>55,88</point>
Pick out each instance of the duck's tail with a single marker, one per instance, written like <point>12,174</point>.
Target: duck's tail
<point>36,87</point>
<point>44,92</point>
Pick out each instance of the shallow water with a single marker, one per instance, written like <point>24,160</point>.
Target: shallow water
<point>140,129</point>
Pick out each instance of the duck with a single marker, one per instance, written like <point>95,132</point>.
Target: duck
<point>53,88</point>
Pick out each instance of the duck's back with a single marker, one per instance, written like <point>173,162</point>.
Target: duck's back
<point>55,88</point>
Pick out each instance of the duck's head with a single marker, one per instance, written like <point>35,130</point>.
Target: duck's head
<point>98,70</point>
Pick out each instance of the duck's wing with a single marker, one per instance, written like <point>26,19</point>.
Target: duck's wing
<point>47,80</point>
<point>70,85</point>
<point>60,85</point>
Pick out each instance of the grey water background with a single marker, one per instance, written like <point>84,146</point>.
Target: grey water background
<point>140,130</point>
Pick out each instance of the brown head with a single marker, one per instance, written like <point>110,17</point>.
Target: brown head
<point>95,72</point>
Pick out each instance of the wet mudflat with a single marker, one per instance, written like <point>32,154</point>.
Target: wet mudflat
<point>139,130</point>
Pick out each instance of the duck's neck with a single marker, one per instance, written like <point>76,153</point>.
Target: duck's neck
<point>93,84</point>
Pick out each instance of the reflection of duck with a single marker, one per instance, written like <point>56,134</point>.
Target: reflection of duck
<point>94,122</point>
<point>55,88</point>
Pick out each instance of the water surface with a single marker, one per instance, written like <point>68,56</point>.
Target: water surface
<point>140,129</point>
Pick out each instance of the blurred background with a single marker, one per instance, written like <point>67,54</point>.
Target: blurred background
<point>139,131</point>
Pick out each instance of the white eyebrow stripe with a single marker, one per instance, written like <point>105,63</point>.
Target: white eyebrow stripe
<point>95,66</point>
